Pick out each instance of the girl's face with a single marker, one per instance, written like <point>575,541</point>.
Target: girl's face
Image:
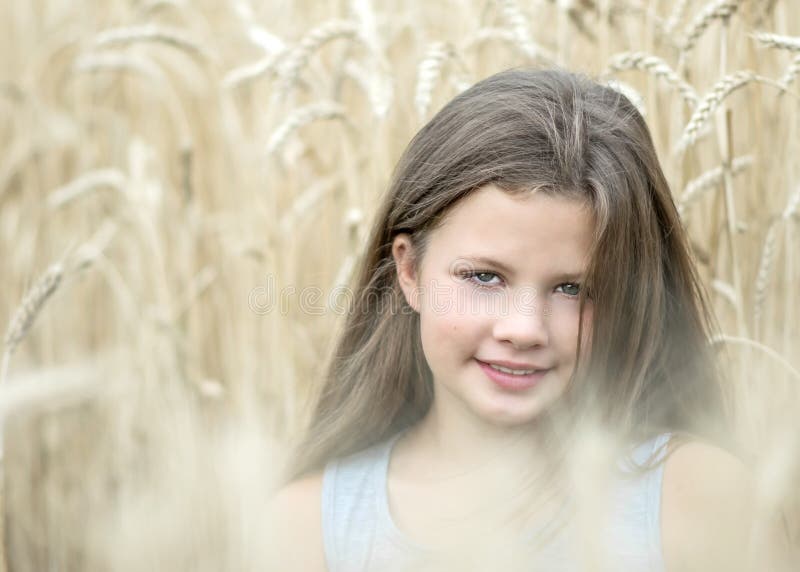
<point>499,284</point>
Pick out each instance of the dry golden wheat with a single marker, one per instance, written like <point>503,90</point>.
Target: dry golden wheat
<point>763,274</point>
<point>319,111</point>
<point>152,33</point>
<point>791,43</point>
<point>86,183</point>
<point>175,106</point>
<point>791,73</point>
<point>429,71</point>
<point>714,10</point>
<point>25,315</point>
<point>676,16</point>
<point>695,188</point>
<point>657,67</point>
<point>521,34</point>
<point>710,101</point>
<point>297,57</point>
<point>266,66</point>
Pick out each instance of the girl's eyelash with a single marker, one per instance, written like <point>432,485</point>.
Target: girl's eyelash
<point>575,284</point>
<point>472,274</point>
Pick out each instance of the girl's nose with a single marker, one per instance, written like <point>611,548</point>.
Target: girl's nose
<point>523,323</point>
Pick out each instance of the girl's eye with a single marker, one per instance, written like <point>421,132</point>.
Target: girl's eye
<point>570,289</point>
<point>481,279</point>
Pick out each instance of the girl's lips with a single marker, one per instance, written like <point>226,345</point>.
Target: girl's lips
<point>510,381</point>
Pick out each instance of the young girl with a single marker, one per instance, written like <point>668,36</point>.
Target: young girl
<point>527,271</point>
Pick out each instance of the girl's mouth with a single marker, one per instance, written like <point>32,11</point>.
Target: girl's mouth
<point>514,380</point>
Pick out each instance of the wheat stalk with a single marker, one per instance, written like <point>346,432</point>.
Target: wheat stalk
<point>303,116</point>
<point>12,91</point>
<point>249,72</point>
<point>376,86</point>
<point>726,339</point>
<point>92,63</point>
<point>678,12</point>
<point>507,36</point>
<point>304,203</point>
<point>87,183</point>
<point>657,67</point>
<point>32,303</point>
<point>88,252</point>
<point>695,188</point>
<point>172,37</point>
<point>716,10</point>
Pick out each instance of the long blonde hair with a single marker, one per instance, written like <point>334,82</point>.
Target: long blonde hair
<point>650,368</point>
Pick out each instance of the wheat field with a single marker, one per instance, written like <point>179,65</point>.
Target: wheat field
<point>185,187</point>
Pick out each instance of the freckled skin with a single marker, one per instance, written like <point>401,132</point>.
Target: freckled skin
<point>530,315</point>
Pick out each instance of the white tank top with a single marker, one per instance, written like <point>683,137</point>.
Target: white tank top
<point>359,534</point>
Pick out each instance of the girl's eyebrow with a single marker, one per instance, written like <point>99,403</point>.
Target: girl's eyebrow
<point>488,262</point>
<point>566,276</point>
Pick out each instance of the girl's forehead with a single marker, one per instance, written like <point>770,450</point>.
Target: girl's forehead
<point>491,222</point>
<point>491,205</point>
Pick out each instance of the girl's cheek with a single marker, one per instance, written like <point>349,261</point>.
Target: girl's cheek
<point>586,337</point>
<point>564,317</point>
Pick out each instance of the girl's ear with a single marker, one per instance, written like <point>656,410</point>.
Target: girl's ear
<point>404,257</point>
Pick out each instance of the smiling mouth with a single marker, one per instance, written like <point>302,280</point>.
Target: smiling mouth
<point>518,380</point>
<point>514,370</point>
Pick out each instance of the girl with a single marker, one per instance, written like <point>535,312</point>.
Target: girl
<point>527,271</point>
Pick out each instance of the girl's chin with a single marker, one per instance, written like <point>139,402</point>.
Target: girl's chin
<point>508,418</point>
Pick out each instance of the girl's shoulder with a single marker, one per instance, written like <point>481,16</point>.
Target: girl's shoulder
<point>707,508</point>
<point>294,526</point>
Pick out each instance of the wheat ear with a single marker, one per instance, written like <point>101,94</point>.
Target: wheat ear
<point>719,91</point>
<point>303,116</point>
<point>428,72</point>
<point>657,67</point>
<point>695,188</point>
<point>792,71</point>
<point>768,255</point>
<point>25,315</point>
<point>376,86</point>
<point>716,10</point>
<point>298,57</point>
<point>791,43</point>
<point>172,37</point>
<point>763,273</point>
<point>521,34</point>
<point>509,37</point>
<point>630,92</point>
<point>792,206</point>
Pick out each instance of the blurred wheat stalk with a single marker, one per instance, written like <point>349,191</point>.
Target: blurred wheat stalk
<point>175,174</point>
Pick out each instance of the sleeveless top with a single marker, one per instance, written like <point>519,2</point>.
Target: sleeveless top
<point>359,534</point>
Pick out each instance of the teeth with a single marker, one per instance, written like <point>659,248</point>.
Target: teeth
<point>513,371</point>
